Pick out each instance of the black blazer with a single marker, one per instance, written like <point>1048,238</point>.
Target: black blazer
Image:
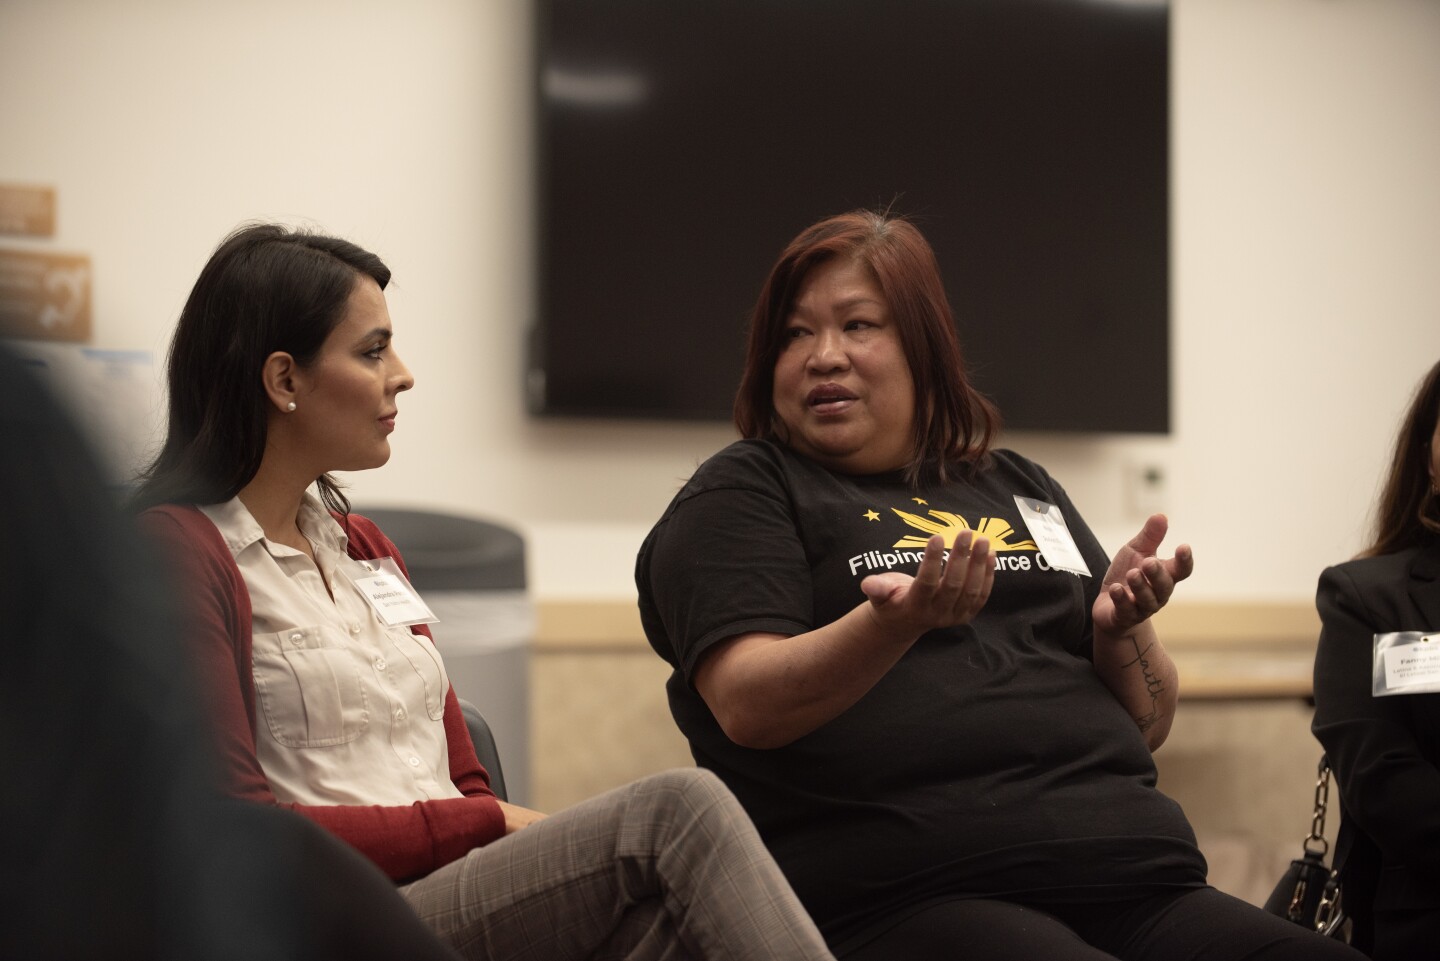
<point>1385,751</point>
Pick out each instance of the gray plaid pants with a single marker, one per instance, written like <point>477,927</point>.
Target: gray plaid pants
<point>664,869</point>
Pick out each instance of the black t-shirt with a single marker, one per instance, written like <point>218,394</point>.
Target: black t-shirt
<point>991,760</point>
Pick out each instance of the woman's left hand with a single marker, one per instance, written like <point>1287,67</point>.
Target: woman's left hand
<point>517,818</point>
<point>1138,583</point>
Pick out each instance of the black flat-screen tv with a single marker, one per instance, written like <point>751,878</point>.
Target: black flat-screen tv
<point>682,143</point>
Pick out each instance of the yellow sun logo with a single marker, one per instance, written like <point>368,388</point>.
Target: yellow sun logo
<point>949,526</point>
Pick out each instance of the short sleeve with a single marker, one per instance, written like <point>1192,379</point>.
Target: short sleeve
<point>725,560</point>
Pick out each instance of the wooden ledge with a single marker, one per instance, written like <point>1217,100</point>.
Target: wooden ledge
<point>588,625</point>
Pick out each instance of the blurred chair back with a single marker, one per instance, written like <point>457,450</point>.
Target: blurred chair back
<point>485,748</point>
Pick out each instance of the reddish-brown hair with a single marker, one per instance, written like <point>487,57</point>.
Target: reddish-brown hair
<point>1409,509</point>
<point>953,421</point>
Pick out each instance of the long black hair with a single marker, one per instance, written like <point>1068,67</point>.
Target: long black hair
<point>266,288</point>
<point>1409,509</point>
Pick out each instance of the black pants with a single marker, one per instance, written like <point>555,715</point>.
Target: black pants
<point>1197,924</point>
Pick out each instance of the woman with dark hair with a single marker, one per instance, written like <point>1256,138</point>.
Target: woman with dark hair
<point>330,704</point>
<point>1380,727</point>
<point>908,656</point>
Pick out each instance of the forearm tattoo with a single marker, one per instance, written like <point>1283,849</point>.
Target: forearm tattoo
<point>1153,685</point>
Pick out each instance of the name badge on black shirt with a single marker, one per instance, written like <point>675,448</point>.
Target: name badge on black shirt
<point>1047,527</point>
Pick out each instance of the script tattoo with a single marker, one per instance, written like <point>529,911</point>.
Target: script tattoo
<point>1153,684</point>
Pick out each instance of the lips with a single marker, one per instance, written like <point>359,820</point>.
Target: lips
<point>829,399</point>
<point>388,420</point>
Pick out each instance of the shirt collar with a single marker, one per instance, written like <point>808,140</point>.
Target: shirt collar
<point>240,529</point>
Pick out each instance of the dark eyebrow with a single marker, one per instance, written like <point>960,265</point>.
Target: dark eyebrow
<point>385,333</point>
<point>847,304</point>
<point>857,300</point>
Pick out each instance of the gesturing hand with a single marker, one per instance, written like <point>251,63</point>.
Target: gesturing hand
<point>941,594</point>
<point>1138,583</point>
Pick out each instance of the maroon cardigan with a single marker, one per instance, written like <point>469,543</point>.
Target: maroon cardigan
<point>408,841</point>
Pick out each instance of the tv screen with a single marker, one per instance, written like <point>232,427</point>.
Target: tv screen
<point>682,144</point>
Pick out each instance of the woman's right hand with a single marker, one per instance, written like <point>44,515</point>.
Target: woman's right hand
<point>517,817</point>
<point>943,593</point>
<point>768,689</point>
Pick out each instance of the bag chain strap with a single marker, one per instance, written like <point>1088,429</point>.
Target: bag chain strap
<point>1316,846</point>
<point>1317,821</point>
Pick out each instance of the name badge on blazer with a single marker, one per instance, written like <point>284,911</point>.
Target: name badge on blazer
<point>1406,662</point>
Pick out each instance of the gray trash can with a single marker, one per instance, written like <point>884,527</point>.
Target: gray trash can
<point>472,574</point>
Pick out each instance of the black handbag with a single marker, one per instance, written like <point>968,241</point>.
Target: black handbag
<point>1309,892</point>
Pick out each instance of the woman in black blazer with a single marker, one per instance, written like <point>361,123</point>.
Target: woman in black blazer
<point>1385,750</point>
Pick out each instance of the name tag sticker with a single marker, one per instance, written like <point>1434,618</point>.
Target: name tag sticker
<point>388,593</point>
<point>1047,528</point>
<point>1406,662</point>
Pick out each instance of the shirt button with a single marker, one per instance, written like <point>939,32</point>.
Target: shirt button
<point>379,663</point>
<point>354,628</point>
<point>414,761</point>
<point>297,638</point>
<point>400,714</point>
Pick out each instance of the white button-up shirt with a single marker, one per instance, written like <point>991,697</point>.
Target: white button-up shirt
<point>349,711</point>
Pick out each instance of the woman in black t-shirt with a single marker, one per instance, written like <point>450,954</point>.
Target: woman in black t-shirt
<point>909,657</point>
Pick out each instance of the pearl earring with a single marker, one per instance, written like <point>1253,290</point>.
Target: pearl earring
<point>290,407</point>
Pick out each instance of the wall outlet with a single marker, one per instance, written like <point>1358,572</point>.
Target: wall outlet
<point>1146,492</point>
